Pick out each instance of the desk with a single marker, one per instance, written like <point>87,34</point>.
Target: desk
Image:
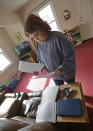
<point>77,93</point>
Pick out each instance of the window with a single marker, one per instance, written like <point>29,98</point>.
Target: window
<point>46,13</point>
<point>4,61</point>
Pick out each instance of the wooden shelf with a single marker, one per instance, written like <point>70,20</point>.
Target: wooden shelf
<point>30,57</point>
<point>74,35</point>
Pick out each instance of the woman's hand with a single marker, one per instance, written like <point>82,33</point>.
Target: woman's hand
<point>56,73</point>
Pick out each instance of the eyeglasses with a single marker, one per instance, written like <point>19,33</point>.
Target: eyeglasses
<point>35,36</point>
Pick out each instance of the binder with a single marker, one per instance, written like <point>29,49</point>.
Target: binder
<point>69,107</point>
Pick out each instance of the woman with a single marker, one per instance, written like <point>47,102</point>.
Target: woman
<point>54,50</point>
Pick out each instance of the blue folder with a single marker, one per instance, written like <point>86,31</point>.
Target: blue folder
<point>69,107</point>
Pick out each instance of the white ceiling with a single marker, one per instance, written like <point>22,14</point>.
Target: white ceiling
<point>11,5</point>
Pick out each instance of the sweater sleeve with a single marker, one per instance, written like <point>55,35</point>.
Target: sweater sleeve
<point>68,51</point>
<point>40,60</point>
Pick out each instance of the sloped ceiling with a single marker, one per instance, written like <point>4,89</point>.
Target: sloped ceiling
<point>11,5</point>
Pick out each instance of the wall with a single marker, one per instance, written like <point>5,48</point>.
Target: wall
<point>16,33</point>
<point>27,8</point>
<point>86,30</point>
<point>12,24</point>
<point>8,18</point>
<point>59,5</point>
<point>84,9</point>
<point>7,45</point>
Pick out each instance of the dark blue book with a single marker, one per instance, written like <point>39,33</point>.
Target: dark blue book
<point>69,107</point>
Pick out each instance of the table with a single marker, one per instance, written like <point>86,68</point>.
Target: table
<point>77,93</point>
<point>75,121</point>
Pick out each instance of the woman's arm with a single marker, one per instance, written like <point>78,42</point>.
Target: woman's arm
<point>40,61</point>
<point>68,57</point>
<point>68,51</point>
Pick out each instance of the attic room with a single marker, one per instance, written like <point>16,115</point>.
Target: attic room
<point>58,95</point>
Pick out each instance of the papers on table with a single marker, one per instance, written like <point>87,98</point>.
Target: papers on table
<point>50,94</point>
<point>37,84</point>
<point>29,67</point>
<point>47,109</point>
<point>46,112</point>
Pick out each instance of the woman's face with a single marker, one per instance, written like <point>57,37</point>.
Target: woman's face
<point>38,36</point>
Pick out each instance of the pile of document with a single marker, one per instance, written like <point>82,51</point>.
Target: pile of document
<point>46,112</point>
<point>47,109</point>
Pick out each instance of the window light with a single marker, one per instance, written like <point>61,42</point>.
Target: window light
<point>4,61</point>
<point>47,15</point>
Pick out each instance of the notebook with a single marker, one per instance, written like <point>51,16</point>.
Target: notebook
<point>69,107</point>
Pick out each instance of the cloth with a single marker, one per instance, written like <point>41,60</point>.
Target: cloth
<point>57,52</point>
<point>61,82</point>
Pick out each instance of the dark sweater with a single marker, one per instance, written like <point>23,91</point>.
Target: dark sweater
<point>57,52</point>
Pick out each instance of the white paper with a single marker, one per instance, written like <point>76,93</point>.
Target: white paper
<point>51,83</point>
<point>46,112</point>
<point>37,84</point>
<point>50,94</point>
<point>29,67</point>
<point>44,75</point>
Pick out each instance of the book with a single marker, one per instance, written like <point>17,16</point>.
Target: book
<point>69,107</point>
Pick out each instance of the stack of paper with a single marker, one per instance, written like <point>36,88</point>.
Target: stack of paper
<point>47,109</point>
<point>49,94</point>
<point>46,112</point>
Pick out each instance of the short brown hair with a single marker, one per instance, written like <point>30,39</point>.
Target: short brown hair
<point>33,23</point>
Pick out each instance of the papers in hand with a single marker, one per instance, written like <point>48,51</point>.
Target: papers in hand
<point>29,67</point>
<point>44,75</point>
